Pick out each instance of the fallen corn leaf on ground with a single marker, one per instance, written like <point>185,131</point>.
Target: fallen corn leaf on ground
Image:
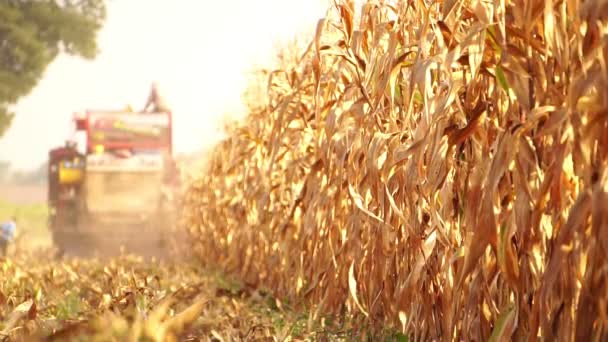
<point>128,299</point>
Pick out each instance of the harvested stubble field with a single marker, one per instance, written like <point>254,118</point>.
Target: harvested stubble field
<point>435,166</point>
<point>127,299</point>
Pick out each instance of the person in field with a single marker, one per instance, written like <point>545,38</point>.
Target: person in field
<point>7,234</point>
<point>156,101</point>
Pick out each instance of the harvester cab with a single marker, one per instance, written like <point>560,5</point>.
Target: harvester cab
<point>120,187</point>
<point>65,176</point>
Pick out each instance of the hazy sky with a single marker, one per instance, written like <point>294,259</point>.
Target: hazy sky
<point>198,50</point>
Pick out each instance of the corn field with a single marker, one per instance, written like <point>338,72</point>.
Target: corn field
<point>436,166</point>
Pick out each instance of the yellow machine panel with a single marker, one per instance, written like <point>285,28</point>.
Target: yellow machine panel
<point>70,172</point>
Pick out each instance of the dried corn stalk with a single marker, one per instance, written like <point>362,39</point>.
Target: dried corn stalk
<point>436,166</point>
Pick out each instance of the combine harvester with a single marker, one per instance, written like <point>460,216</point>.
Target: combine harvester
<point>118,187</point>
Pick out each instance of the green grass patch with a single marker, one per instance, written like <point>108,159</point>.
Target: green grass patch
<point>69,307</point>
<point>29,216</point>
<point>32,229</point>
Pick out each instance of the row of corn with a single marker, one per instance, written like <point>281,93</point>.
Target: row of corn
<point>435,166</point>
